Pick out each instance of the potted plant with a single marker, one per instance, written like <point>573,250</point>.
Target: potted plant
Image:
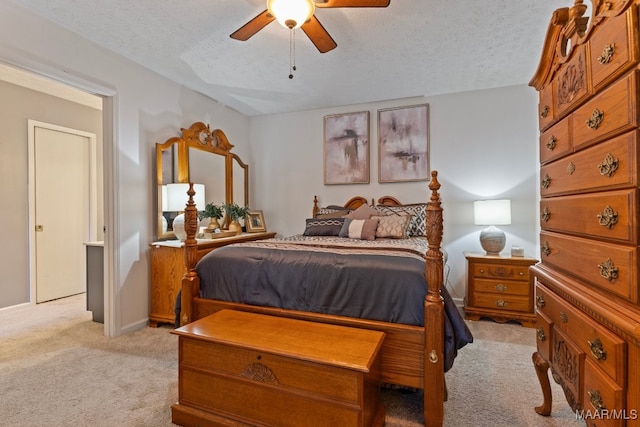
<point>214,212</point>
<point>234,213</point>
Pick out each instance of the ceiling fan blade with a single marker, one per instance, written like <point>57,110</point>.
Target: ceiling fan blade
<point>250,28</point>
<point>318,35</point>
<point>352,3</point>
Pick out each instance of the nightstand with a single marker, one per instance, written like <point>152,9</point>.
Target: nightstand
<point>499,288</point>
<point>168,269</point>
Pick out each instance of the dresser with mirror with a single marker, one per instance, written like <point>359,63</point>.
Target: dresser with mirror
<point>202,156</point>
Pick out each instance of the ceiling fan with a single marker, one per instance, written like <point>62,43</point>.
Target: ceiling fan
<point>300,14</point>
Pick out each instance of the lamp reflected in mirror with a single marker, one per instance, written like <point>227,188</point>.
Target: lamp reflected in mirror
<point>177,199</point>
<point>492,213</point>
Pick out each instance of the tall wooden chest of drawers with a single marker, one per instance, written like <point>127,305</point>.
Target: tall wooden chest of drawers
<point>588,313</point>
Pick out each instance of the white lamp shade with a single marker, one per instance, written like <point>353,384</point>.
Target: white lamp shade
<point>291,13</point>
<point>492,212</point>
<point>164,199</point>
<point>177,196</point>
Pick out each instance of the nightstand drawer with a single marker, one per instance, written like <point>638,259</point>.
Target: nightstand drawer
<point>501,302</point>
<point>501,271</point>
<point>506,287</point>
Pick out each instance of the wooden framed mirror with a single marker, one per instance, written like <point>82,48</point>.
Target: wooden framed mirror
<point>201,156</point>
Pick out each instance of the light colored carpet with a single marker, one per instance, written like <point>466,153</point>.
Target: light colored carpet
<point>57,369</point>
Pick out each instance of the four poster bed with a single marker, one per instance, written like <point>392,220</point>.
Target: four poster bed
<point>417,348</point>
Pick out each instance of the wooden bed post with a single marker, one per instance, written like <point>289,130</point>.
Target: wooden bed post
<point>191,281</point>
<point>434,312</point>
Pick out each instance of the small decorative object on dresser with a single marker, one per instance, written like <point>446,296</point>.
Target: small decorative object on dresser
<point>215,213</point>
<point>588,81</point>
<point>500,288</point>
<point>234,214</point>
<point>255,222</point>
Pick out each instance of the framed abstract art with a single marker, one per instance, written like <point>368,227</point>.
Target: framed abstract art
<point>403,144</point>
<point>346,148</point>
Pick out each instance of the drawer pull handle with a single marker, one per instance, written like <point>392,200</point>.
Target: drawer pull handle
<point>545,215</point>
<point>541,335</point>
<point>563,317</point>
<point>607,54</point>
<point>433,357</point>
<point>546,181</point>
<point>608,270</point>
<point>595,120</point>
<point>545,249</point>
<point>260,373</point>
<point>596,400</point>
<point>540,302</point>
<point>597,349</point>
<point>551,143</point>
<point>608,218</point>
<point>571,168</point>
<point>609,166</point>
<point>501,303</point>
<point>501,287</point>
<point>544,112</point>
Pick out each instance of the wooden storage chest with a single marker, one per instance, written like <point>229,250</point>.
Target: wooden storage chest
<point>240,368</point>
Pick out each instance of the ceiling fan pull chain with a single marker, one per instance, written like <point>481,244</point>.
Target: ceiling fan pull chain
<point>292,52</point>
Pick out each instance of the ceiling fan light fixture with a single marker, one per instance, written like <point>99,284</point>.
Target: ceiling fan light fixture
<point>291,13</point>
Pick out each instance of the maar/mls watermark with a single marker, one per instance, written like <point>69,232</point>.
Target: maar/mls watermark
<point>607,414</point>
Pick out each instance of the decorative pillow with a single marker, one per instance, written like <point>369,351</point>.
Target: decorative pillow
<point>418,212</point>
<point>394,226</point>
<point>364,229</point>
<point>363,212</point>
<point>323,227</point>
<point>332,212</point>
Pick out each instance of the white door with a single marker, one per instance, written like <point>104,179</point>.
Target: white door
<point>62,202</point>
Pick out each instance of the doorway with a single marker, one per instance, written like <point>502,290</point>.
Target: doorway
<point>64,188</point>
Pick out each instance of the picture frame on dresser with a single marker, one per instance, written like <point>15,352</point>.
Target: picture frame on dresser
<point>403,144</point>
<point>255,222</point>
<point>346,148</point>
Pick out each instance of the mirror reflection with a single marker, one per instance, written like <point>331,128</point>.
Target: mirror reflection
<point>203,157</point>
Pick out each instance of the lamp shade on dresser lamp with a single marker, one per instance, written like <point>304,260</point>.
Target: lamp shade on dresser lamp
<point>492,213</point>
<point>177,199</point>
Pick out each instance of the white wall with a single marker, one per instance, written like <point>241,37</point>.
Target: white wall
<point>482,143</point>
<point>148,109</point>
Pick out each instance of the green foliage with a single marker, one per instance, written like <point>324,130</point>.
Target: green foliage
<point>212,211</point>
<point>234,211</point>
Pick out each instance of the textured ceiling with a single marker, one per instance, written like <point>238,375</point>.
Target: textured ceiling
<point>412,48</point>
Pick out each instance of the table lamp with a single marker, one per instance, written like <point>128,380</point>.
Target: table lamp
<point>177,199</point>
<point>492,213</point>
